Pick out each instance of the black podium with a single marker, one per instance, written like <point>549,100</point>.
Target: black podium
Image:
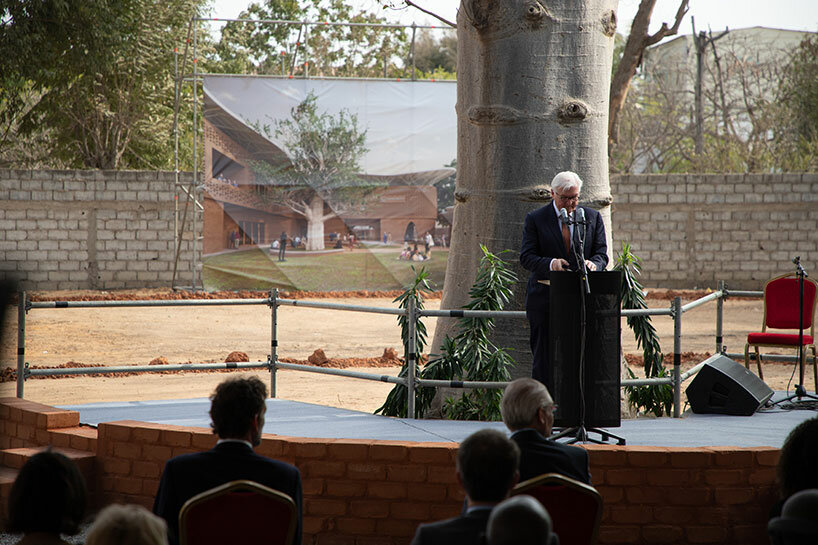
<point>601,385</point>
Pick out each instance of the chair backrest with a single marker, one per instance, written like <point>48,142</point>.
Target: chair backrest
<point>790,531</point>
<point>238,512</point>
<point>575,507</point>
<point>781,302</point>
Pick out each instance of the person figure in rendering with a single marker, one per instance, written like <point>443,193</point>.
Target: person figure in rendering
<point>519,520</point>
<point>487,470</point>
<point>528,412</point>
<point>282,245</point>
<point>428,242</point>
<point>549,246</point>
<point>237,412</point>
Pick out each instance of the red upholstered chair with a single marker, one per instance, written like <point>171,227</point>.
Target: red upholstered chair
<point>575,507</point>
<point>781,313</point>
<point>238,512</point>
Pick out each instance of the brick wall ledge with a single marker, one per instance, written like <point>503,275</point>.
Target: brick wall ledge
<point>362,492</point>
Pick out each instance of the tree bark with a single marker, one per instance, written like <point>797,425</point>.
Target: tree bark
<point>532,100</point>
<point>315,223</point>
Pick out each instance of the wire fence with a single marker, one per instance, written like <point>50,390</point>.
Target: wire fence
<point>411,382</point>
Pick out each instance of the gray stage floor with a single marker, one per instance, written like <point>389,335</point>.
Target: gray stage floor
<point>765,428</point>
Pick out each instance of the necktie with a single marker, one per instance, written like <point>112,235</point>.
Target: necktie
<point>566,237</point>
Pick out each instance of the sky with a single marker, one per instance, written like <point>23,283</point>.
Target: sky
<point>717,14</point>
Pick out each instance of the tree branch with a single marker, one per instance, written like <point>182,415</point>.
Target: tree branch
<point>665,31</point>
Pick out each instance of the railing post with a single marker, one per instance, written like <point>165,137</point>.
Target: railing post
<point>21,342</point>
<point>411,357</point>
<point>273,340</point>
<point>720,317</point>
<point>677,356</point>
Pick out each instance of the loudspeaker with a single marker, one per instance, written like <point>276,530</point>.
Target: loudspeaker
<point>726,387</point>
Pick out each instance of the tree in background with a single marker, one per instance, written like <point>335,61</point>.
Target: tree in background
<point>322,178</point>
<point>797,137</point>
<point>748,120</point>
<point>435,55</point>
<point>317,50</point>
<point>93,79</point>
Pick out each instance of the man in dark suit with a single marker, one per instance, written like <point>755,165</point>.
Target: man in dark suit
<point>487,470</point>
<point>549,246</point>
<point>528,412</point>
<point>237,412</point>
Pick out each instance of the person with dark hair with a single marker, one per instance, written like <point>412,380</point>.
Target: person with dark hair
<point>798,523</point>
<point>487,470</point>
<point>797,469</point>
<point>519,520</point>
<point>237,409</point>
<point>282,246</point>
<point>47,499</point>
<point>528,412</point>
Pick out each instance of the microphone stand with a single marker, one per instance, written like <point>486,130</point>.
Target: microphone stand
<point>800,389</point>
<point>580,433</point>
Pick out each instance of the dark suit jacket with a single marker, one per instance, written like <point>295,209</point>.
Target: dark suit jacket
<point>542,242</point>
<point>540,455</point>
<point>463,530</point>
<point>187,475</point>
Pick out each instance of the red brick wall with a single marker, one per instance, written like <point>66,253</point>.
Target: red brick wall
<point>377,492</point>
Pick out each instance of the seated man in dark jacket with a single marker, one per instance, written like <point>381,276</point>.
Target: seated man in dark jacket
<point>237,412</point>
<point>528,412</point>
<point>487,470</point>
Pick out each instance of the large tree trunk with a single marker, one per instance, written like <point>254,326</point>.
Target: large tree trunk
<point>315,223</point>
<point>532,100</point>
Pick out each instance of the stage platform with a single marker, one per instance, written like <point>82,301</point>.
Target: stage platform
<point>765,428</point>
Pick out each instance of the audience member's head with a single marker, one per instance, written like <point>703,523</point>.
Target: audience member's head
<point>527,404</point>
<point>127,525</point>
<point>487,463</point>
<point>237,409</point>
<point>798,523</point>
<point>802,505</point>
<point>519,520</point>
<point>48,496</point>
<point>797,468</point>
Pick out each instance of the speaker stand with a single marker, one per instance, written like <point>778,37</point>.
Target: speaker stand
<point>579,434</point>
<point>800,390</point>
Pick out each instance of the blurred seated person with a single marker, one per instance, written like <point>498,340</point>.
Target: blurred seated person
<point>48,498</point>
<point>487,470</point>
<point>528,413</point>
<point>127,525</point>
<point>519,520</point>
<point>798,523</point>
<point>797,468</point>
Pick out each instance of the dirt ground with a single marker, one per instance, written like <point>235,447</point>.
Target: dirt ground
<point>135,336</point>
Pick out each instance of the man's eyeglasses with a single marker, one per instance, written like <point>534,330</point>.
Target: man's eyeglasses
<point>566,198</point>
<point>553,407</point>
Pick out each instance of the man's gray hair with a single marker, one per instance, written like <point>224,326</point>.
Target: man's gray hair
<point>565,180</point>
<point>519,520</point>
<point>521,400</point>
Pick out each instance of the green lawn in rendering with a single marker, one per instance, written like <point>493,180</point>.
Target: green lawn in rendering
<point>377,269</point>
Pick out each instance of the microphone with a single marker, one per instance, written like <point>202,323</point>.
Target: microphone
<point>580,216</point>
<point>563,216</point>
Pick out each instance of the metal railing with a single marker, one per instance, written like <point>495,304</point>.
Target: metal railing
<point>411,382</point>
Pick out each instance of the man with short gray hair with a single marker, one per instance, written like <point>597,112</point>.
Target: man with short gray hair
<point>549,245</point>
<point>528,412</point>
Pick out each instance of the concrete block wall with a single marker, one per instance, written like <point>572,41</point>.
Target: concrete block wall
<point>77,229</point>
<point>362,492</point>
<point>693,230</point>
<point>114,229</point>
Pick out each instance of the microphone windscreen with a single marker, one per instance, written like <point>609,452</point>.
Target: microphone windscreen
<point>580,214</point>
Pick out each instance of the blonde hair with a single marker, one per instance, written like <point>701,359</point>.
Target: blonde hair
<point>127,525</point>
